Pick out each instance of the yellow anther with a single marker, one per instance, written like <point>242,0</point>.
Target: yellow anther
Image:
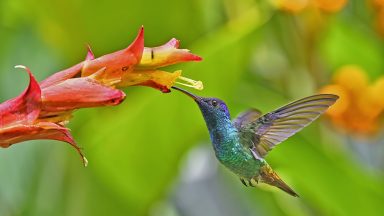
<point>191,83</point>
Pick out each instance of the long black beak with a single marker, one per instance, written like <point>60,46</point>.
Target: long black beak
<point>195,97</point>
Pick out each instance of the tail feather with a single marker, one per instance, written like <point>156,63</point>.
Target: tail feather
<point>268,176</point>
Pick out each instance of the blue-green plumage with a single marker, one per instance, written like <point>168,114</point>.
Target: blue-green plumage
<point>226,141</point>
<point>241,145</point>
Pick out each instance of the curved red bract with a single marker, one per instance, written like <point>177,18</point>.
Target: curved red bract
<point>42,110</point>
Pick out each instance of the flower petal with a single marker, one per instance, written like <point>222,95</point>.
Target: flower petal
<point>42,130</point>
<point>24,108</point>
<point>79,93</point>
<point>62,75</point>
<point>156,79</point>
<point>90,55</point>
<point>119,61</point>
<point>164,55</point>
<point>67,73</point>
<point>330,5</point>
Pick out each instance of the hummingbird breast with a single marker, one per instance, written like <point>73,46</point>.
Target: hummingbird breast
<point>233,155</point>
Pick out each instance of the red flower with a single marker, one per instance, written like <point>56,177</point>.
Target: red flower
<point>43,109</point>
<point>67,73</point>
<point>19,120</point>
<point>78,93</point>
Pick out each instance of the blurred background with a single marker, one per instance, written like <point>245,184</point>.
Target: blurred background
<point>151,155</point>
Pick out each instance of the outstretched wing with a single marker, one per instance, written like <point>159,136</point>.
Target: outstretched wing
<point>275,127</point>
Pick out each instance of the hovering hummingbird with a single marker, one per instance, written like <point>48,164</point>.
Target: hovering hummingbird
<point>242,144</point>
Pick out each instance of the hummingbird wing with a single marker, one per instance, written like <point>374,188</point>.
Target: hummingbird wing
<point>275,127</point>
<point>246,117</point>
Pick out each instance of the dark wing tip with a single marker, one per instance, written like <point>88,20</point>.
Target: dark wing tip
<point>330,96</point>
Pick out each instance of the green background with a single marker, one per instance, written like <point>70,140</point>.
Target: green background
<point>151,155</point>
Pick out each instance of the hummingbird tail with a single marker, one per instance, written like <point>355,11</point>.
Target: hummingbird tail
<point>268,176</point>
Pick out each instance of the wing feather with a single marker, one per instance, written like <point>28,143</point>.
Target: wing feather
<point>246,117</point>
<point>273,128</point>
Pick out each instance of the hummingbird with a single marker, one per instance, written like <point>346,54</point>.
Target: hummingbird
<point>241,144</point>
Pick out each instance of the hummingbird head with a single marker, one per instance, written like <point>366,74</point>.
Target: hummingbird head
<point>214,110</point>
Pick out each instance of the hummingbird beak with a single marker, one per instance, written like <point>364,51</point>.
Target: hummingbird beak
<point>195,97</point>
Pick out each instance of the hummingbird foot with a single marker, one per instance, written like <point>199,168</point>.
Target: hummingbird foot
<point>248,183</point>
<point>244,182</point>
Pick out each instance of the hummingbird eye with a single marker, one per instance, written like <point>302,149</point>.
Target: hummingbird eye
<point>214,103</point>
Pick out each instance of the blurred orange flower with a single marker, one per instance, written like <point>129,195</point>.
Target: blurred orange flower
<point>330,5</point>
<point>377,3</point>
<point>293,6</point>
<point>378,6</point>
<point>361,103</point>
<point>296,6</point>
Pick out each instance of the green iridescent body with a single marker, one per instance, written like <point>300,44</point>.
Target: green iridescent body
<point>230,149</point>
<point>241,144</point>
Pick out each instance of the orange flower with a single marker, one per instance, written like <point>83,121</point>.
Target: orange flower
<point>377,3</point>
<point>296,6</point>
<point>167,54</point>
<point>134,65</point>
<point>361,104</point>
<point>293,6</point>
<point>330,5</point>
<point>116,63</point>
<point>138,65</point>
<point>378,7</point>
